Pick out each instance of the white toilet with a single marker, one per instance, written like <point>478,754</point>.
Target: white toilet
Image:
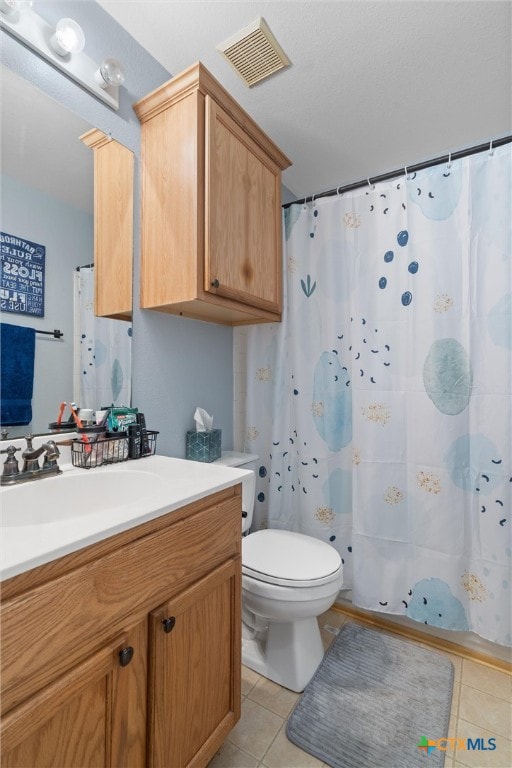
<point>288,579</point>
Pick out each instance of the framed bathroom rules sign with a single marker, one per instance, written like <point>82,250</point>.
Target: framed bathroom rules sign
<point>21,275</point>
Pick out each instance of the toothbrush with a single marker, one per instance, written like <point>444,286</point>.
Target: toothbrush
<point>85,439</point>
<point>72,408</point>
<point>61,411</point>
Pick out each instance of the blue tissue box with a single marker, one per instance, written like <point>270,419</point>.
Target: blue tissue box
<point>204,446</point>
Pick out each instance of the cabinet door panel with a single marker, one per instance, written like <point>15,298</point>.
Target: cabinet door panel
<point>113,225</point>
<point>69,722</point>
<point>59,743</point>
<point>243,217</point>
<point>172,212</point>
<point>113,231</point>
<point>194,694</point>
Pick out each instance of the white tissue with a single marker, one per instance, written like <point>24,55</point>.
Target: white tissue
<point>203,420</point>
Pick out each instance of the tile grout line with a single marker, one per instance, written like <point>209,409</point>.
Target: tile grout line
<point>283,725</point>
<point>275,737</point>
<point>492,695</point>
<point>508,702</point>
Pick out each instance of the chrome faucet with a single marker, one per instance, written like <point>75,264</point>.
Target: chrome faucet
<point>31,469</point>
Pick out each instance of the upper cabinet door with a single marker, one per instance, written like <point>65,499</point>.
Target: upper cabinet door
<point>113,225</point>
<point>243,221</point>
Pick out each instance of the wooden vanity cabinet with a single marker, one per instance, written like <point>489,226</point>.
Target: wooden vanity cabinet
<point>128,652</point>
<point>113,225</point>
<point>211,205</point>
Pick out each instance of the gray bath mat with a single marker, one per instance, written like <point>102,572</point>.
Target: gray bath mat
<point>370,702</point>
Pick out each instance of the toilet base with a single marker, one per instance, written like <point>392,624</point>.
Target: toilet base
<point>287,652</point>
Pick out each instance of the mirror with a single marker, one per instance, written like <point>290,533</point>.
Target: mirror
<point>47,199</point>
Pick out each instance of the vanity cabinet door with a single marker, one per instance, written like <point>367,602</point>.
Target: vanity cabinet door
<point>194,670</point>
<point>70,722</point>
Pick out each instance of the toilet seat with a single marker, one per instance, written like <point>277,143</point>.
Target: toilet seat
<point>290,559</point>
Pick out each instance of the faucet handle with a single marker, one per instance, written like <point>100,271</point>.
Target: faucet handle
<point>11,463</point>
<point>11,450</point>
<point>29,447</point>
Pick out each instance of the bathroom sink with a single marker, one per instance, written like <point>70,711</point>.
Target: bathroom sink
<point>45,519</point>
<point>75,495</point>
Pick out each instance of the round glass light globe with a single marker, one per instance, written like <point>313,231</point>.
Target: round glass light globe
<point>69,36</point>
<point>9,7</point>
<point>111,71</point>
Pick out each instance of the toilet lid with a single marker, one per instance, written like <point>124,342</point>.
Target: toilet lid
<point>281,557</point>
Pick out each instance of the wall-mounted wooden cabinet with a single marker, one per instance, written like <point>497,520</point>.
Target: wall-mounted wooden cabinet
<point>128,652</point>
<point>211,205</point>
<point>113,226</point>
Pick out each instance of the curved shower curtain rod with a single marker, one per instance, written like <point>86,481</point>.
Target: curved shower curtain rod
<point>407,169</point>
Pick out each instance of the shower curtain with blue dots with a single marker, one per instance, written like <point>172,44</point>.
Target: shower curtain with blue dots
<point>380,407</point>
<point>104,350</point>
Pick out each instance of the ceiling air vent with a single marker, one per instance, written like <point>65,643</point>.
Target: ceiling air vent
<point>254,52</point>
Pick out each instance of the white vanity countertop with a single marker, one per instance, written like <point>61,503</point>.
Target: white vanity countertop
<point>81,507</point>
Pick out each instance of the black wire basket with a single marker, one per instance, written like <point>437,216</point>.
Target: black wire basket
<point>111,449</point>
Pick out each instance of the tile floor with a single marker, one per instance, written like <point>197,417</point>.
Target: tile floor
<point>481,707</point>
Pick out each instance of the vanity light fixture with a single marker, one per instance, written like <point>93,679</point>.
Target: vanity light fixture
<point>62,47</point>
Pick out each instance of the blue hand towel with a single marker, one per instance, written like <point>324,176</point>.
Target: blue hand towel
<point>17,383</point>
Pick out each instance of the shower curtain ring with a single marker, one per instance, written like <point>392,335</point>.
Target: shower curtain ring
<point>372,186</point>
<point>338,191</point>
<point>491,150</point>
<point>449,163</point>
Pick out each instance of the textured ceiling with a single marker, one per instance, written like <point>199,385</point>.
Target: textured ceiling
<point>373,86</point>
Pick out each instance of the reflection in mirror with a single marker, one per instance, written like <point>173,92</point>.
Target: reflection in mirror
<point>46,200</point>
<point>104,350</point>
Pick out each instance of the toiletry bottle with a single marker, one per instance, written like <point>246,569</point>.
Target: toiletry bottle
<point>134,441</point>
<point>141,421</point>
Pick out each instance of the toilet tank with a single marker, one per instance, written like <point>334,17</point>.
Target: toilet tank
<point>243,461</point>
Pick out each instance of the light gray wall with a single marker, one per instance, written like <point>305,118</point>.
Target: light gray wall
<point>67,235</point>
<point>177,363</point>
<point>287,196</point>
